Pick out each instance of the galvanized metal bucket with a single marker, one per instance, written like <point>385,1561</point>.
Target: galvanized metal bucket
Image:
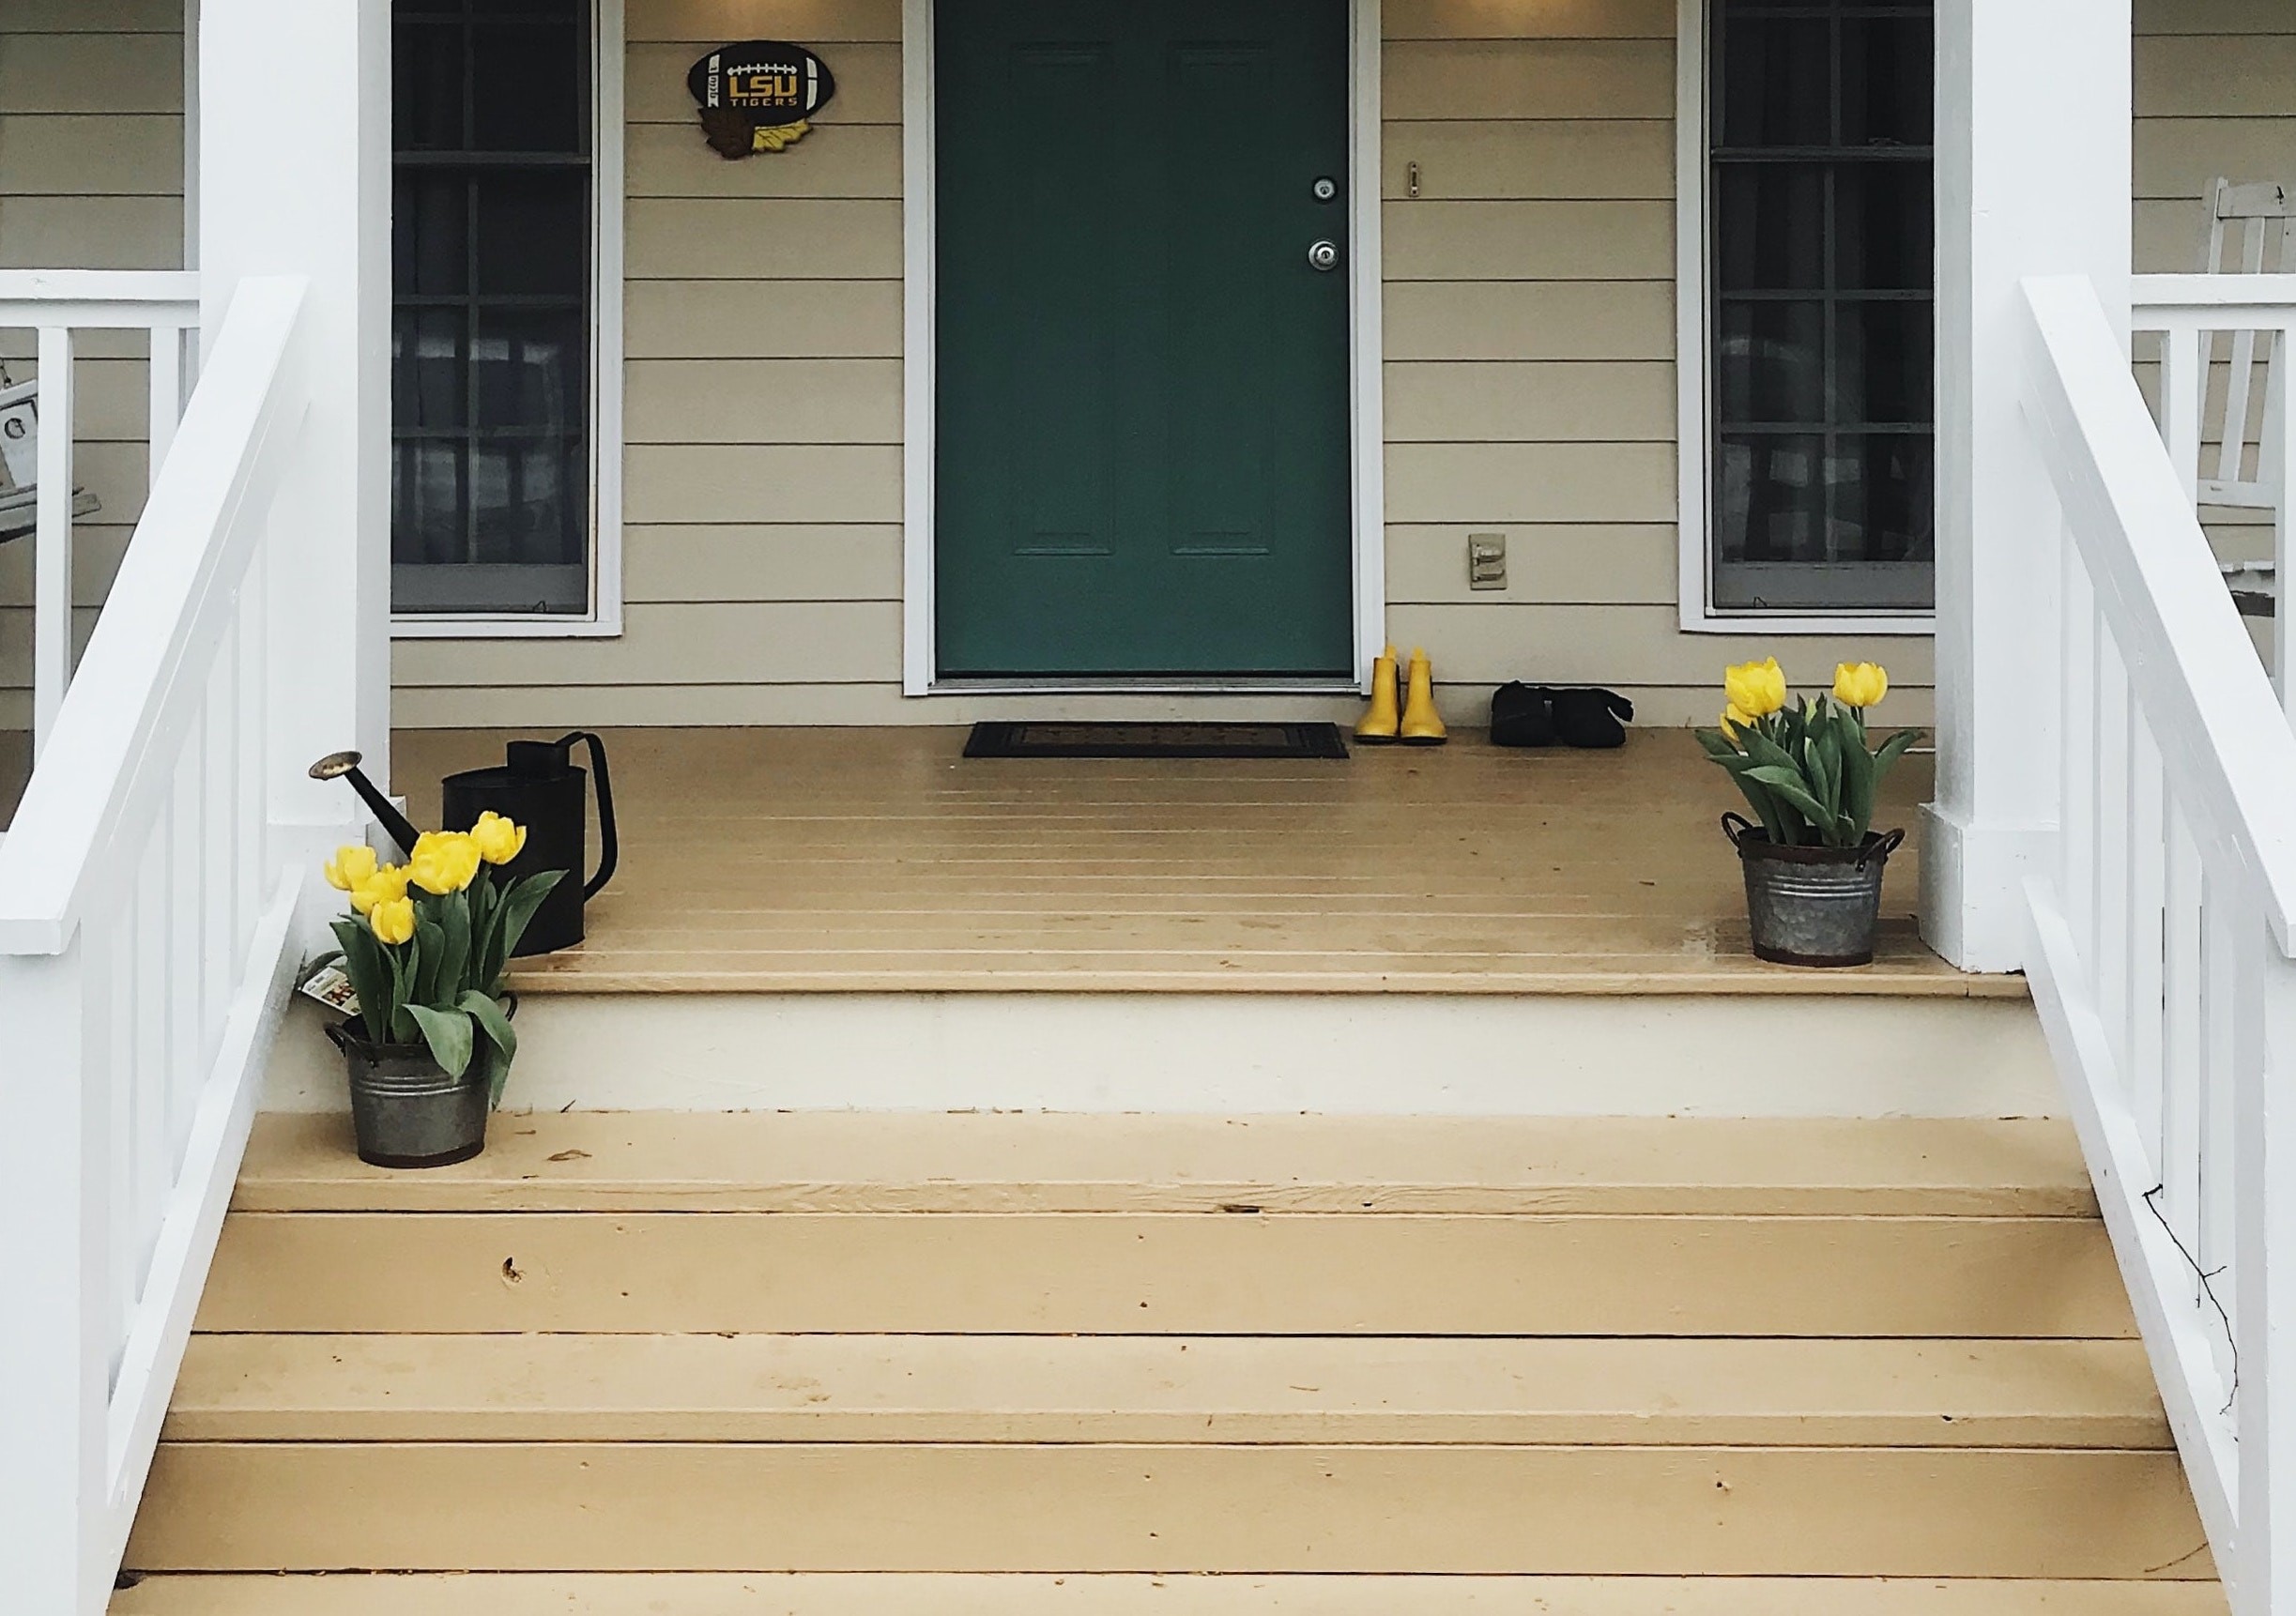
<point>1811,906</point>
<point>406,1111</point>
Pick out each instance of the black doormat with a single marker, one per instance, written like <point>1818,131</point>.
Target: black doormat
<point>1156,740</point>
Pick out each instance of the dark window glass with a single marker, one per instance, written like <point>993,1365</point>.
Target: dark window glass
<point>1824,280</point>
<point>492,231</point>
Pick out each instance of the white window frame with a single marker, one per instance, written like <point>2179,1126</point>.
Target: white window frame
<point>1366,362</point>
<point>1694,374</point>
<point>604,620</point>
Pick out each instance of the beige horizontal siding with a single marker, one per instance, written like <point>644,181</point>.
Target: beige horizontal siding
<point>91,177</point>
<point>2215,99</point>
<point>1529,329</point>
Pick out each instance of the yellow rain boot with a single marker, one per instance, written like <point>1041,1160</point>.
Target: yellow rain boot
<point>1421,725</point>
<point>1379,724</point>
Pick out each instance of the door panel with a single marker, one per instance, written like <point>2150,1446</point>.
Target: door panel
<point>1142,415</point>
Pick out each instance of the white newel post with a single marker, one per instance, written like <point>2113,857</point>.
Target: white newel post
<point>2033,178</point>
<point>295,177</point>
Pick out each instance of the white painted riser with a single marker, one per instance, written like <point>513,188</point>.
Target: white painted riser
<point>1404,1054</point>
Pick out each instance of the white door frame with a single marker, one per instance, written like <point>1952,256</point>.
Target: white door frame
<point>919,656</point>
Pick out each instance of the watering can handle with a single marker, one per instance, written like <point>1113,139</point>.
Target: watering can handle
<point>609,846</point>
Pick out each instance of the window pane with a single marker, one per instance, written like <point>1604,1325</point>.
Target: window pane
<point>1770,227</point>
<point>426,502</point>
<point>430,233</point>
<point>531,369</point>
<point>491,332</point>
<point>1770,365</point>
<point>1776,82</point>
<point>426,86</point>
<point>428,381</point>
<point>1884,214</point>
<point>1885,498</point>
<point>533,88</point>
<point>1769,499</point>
<point>1885,362</point>
<point>1823,266</point>
<point>525,503</point>
<point>1887,81</point>
<point>534,233</point>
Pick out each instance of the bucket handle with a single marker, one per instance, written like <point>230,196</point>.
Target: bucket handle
<point>1883,849</point>
<point>609,844</point>
<point>1738,827</point>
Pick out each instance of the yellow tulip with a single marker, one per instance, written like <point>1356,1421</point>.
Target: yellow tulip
<point>1756,688</point>
<point>1860,684</point>
<point>498,840</point>
<point>386,886</point>
<point>1735,719</point>
<point>393,921</point>
<point>443,862</point>
<point>350,866</point>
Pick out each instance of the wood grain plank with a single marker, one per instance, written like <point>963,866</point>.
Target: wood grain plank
<point>1727,1510</point>
<point>962,1162</point>
<point>927,1594</point>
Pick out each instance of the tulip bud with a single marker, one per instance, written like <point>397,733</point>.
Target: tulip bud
<point>350,865</point>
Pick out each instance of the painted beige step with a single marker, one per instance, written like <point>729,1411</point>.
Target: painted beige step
<point>1151,1389</point>
<point>1166,1273</point>
<point>1605,1511</point>
<point>895,1595</point>
<point>820,1162</point>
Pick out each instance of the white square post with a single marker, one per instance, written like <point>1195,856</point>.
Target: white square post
<point>294,143</point>
<point>2034,140</point>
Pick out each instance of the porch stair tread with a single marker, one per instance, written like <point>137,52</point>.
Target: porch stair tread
<point>969,1389</point>
<point>978,1594</point>
<point>980,1163</point>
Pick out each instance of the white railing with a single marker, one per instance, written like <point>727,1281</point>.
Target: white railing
<point>144,959</point>
<point>38,429</point>
<point>2161,956</point>
<point>2221,336</point>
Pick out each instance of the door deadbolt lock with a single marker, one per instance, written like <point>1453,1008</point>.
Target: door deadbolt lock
<point>1326,188</point>
<point>1323,255</point>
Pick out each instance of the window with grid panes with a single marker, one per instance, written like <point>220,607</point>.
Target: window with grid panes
<point>492,229</point>
<point>1822,235</point>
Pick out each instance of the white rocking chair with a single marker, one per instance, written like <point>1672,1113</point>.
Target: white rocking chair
<point>2252,231</point>
<point>20,463</point>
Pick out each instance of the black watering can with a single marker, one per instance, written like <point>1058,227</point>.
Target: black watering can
<point>538,786</point>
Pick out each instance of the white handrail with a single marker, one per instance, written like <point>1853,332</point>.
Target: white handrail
<point>2163,962</point>
<point>153,623</point>
<point>2155,577</point>
<point>147,951</point>
<point>57,304</point>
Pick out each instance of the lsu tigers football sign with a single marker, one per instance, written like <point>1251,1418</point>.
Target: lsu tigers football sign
<point>757,95</point>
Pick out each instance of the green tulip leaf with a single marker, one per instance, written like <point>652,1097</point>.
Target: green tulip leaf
<point>501,1041</point>
<point>448,1032</point>
<point>518,907</point>
<point>1790,787</point>
<point>1892,750</point>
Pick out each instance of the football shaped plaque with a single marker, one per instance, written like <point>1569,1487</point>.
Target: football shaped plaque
<point>759,96</point>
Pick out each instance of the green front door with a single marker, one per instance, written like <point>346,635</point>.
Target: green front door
<point>1142,461</point>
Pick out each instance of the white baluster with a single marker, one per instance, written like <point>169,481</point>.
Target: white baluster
<point>2185,400</point>
<point>51,644</point>
<point>2147,944</point>
<point>166,394</point>
<point>2263,1571</point>
<point>2277,468</point>
<point>2184,983</point>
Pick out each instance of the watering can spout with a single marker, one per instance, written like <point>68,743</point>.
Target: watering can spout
<point>345,765</point>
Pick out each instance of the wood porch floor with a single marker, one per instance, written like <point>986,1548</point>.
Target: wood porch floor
<point>880,860</point>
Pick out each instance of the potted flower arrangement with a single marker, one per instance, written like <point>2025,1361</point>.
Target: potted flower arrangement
<point>1810,772</point>
<point>425,948</point>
